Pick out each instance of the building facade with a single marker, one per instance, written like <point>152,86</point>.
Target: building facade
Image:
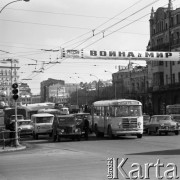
<point>164,36</point>
<point>133,82</point>
<point>8,76</point>
<point>46,87</point>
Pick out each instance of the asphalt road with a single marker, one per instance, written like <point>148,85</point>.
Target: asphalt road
<point>87,160</point>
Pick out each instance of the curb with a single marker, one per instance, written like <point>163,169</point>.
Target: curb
<point>8,149</point>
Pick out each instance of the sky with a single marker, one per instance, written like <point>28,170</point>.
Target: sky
<point>34,32</point>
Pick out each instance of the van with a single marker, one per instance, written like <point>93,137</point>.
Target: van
<point>64,110</point>
<point>42,124</point>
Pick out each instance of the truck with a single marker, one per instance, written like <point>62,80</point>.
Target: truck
<point>9,115</point>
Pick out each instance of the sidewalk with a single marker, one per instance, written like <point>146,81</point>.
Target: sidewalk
<point>13,148</point>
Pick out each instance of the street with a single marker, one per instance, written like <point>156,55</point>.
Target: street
<point>87,160</point>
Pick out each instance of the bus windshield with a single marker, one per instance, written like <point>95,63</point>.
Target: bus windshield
<point>124,111</point>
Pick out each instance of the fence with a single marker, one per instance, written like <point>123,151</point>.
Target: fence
<point>7,138</point>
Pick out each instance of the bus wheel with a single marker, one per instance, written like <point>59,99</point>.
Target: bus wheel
<point>148,131</point>
<point>139,136</point>
<point>110,134</point>
<point>176,132</point>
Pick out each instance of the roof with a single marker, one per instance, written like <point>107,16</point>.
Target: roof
<point>21,120</point>
<point>117,102</point>
<point>42,115</point>
<point>66,115</point>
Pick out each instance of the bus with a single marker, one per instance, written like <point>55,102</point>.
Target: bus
<point>117,117</point>
<point>50,111</point>
<point>33,108</point>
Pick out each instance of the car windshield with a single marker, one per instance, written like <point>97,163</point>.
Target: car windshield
<point>159,118</point>
<point>176,118</point>
<point>44,119</point>
<point>65,120</point>
<point>24,123</point>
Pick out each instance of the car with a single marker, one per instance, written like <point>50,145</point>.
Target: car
<point>66,126</point>
<point>146,119</point>
<point>42,124</point>
<point>25,127</point>
<point>176,118</point>
<point>162,124</point>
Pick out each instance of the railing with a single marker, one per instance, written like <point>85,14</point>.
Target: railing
<point>7,138</point>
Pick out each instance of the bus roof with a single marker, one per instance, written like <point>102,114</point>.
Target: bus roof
<point>117,102</point>
<point>173,105</point>
<point>42,115</point>
<point>37,106</point>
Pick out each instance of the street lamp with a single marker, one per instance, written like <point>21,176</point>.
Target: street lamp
<point>13,2</point>
<point>97,83</point>
<point>76,88</point>
<point>114,84</point>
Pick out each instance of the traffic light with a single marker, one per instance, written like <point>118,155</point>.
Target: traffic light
<point>15,91</point>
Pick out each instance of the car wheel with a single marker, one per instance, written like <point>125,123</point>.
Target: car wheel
<point>157,131</point>
<point>176,132</point>
<point>79,138</point>
<point>139,136</point>
<point>148,131</point>
<point>54,137</point>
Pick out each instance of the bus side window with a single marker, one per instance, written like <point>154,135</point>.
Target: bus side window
<point>102,111</point>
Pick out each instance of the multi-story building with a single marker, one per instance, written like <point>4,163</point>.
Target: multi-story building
<point>8,76</point>
<point>45,87</point>
<point>25,95</point>
<point>164,36</point>
<point>133,83</point>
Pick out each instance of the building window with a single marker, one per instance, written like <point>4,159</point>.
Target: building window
<point>166,64</point>
<point>173,78</point>
<point>166,79</point>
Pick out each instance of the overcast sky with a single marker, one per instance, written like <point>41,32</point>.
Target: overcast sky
<point>28,27</point>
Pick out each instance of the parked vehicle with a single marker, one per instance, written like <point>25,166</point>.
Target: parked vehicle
<point>66,126</point>
<point>25,127</point>
<point>162,124</point>
<point>74,109</point>
<point>64,110</point>
<point>42,124</point>
<point>146,120</point>
<point>176,118</point>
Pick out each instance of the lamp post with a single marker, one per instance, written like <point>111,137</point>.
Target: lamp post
<point>13,2</point>
<point>85,89</point>
<point>97,83</point>
<point>76,89</point>
<point>114,84</point>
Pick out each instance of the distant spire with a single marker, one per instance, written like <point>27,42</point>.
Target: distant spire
<point>170,6</point>
<point>152,13</point>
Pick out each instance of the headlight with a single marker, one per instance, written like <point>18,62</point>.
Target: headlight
<point>139,124</point>
<point>162,125</point>
<point>62,130</point>
<point>76,130</point>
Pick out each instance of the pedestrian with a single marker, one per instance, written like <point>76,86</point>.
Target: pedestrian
<point>12,133</point>
<point>86,128</point>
